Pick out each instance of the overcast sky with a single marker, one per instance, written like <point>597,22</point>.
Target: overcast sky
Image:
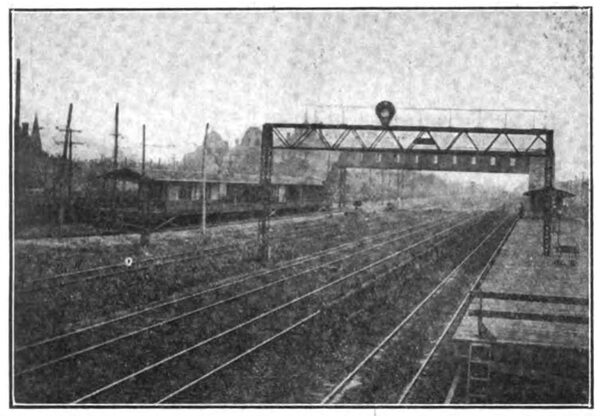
<point>175,71</point>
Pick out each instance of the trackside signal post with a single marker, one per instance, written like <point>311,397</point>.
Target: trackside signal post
<point>411,147</point>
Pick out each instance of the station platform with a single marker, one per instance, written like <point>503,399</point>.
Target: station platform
<point>531,308</point>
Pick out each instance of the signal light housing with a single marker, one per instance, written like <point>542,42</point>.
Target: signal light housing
<point>385,111</point>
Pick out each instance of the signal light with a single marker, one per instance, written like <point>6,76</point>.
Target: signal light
<point>385,111</point>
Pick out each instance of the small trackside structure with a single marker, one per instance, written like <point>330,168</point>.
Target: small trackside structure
<point>545,199</point>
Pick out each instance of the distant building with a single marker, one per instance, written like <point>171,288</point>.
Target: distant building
<point>180,192</point>
<point>34,173</point>
<point>30,161</point>
<point>27,143</point>
<point>252,137</point>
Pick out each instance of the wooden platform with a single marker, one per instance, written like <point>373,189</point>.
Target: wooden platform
<point>528,299</point>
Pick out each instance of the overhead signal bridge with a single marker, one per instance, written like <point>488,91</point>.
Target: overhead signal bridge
<point>435,148</point>
<point>463,149</point>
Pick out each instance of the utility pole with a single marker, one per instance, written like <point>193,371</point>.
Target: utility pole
<point>67,130</point>
<point>70,165</point>
<point>116,134</point>
<point>143,149</point>
<point>66,167</point>
<point>17,126</point>
<point>145,235</point>
<point>70,173</point>
<point>70,169</point>
<point>62,197</point>
<point>204,181</point>
<point>115,158</point>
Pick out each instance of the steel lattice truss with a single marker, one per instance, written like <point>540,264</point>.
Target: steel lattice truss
<point>375,138</point>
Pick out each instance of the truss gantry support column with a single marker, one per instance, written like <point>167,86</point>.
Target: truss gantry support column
<point>266,173</point>
<point>342,187</point>
<point>548,184</point>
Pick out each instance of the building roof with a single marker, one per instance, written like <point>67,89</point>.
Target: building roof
<point>551,190</point>
<point>129,174</point>
<point>123,174</point>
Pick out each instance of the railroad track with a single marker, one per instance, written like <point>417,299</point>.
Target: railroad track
<point>437,378</point>
<point>212,226</point>
<point>296,363</point>
<point>253,221</point>
<point>137,265</point>
<point>46,315</point>
<point>307,263</point>
<point>222,310</point>
<point>394,344</point>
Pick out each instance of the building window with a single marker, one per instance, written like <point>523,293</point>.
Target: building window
<point>173,192</point>
<point>379,157</point>
<point>493,161</point>
<point>435,159</point>
<point>281,194</point>
<point>197,192</point>
<point>213,192</point>
<point>454,160</point>
<point>473,160</point>
<point>513,161</point>
<point>416,158</point>
<point>185,191</point>
<point>397,157</point>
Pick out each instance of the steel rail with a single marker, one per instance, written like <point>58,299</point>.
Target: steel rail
<point>162,261</point>
<point>237,358</point>
<point>406,319</point>
<point>121,265</point>
<point>240,356</point>
<point>264,315</point>
<point>234,224</point>
<point>240,224</point>
<point>48,284</point>
<point>459,312</point>
<point>202,308</point>
<point>223,283</point>
<point>453,385</point>
<point>146,263</point>
<point>158,259</point>
<point>378,233</point>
